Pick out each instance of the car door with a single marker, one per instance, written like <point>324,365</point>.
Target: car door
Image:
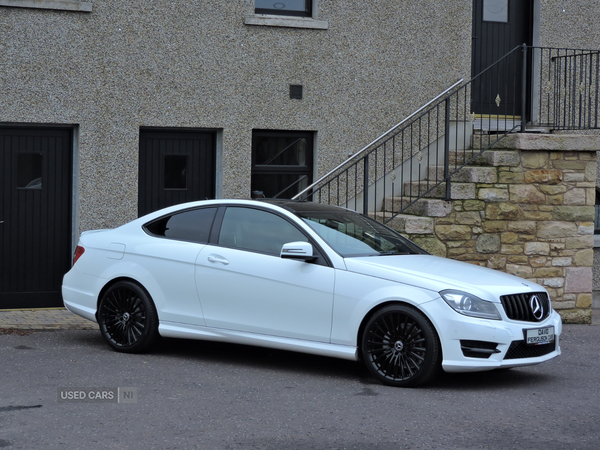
<point>245,286</point>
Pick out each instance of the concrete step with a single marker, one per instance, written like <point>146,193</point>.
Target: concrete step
<point>490,157</point>
<point>480,141</point>
<point>431,207</point>
<point>459,191</point>
<point>468,174</point>
<point>480,170</point>
<point>459,157</point>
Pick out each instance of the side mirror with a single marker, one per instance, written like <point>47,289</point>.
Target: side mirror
<point>298,250</point>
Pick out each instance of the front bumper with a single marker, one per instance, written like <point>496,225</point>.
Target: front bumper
<point>458,332</point>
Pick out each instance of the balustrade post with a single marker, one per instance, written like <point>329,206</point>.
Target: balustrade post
<point>447,148</point>
<point>524,91</point>
<point>366,186</point>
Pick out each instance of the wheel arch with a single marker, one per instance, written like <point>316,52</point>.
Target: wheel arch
<point>380,306</point>
<point>114,281</point>
<point>129,323</point>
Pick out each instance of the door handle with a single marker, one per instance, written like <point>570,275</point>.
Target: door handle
<point>218,259</point>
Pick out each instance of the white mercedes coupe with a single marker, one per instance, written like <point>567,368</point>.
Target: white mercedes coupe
<point>306,277</point>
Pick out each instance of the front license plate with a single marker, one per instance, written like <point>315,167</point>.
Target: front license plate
<point>539,336</point>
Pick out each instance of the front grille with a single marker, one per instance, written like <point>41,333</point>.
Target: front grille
<point>519,350</point>
<point>518,306</point>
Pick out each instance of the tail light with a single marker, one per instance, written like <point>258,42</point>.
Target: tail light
<point>78,252</point>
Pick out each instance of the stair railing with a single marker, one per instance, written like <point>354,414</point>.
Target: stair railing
<point>530,88</point>
<point>362,153</point>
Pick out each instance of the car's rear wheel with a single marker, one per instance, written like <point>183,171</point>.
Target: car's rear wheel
<point>127,318</point>
<point>400,346</point>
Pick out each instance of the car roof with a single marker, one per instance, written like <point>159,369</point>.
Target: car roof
<point>302,206</point>
<point>295,207</point>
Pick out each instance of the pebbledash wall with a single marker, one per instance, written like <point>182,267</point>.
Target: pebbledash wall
<point>118,66</point>
<point>526,208</point>
<point>109,68</point>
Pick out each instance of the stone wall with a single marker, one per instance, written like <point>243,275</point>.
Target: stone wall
<point>528,209</point>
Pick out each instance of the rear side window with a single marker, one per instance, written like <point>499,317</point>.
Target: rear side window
<point>193,225</point>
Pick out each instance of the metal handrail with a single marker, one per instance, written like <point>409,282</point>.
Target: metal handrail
<point>366,147</point>
<point>532,88</point>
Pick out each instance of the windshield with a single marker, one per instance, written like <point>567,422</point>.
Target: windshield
<point>351,234</point>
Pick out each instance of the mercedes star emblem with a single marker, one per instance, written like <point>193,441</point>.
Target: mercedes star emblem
<point>536,307</point>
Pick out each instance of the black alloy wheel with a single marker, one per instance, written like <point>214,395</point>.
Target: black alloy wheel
<point>400,347</point>
<point>127,318</point>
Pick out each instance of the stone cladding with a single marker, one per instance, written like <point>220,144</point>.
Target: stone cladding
<point>528,210</point>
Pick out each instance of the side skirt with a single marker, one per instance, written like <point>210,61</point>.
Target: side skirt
<point>177,330</point>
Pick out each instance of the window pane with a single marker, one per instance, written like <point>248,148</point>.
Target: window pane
<point>495,10</point>
<point>282,5</point>
<point>279,151</point>
<point>278,186</point>
<point>252,229</point>
<point>29,170</point>
<point>175,171</point>
<point>193,225</point>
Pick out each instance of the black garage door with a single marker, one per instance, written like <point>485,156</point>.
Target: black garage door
<point>176,166</point>
<point>35,215</point>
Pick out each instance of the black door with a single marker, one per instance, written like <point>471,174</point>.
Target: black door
<point>35,215</point>
<point>175,167</point>
<point>498,27</point>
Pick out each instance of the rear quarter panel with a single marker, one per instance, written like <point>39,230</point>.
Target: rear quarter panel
<point>164,267</point>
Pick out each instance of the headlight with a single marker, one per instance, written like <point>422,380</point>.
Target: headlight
<point>470,305</point>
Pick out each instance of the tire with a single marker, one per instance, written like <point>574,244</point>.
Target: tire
<point>127,318</point>
<point>400,347</point>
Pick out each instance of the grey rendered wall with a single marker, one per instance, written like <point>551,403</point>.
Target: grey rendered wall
<point>159,63</point>
<point>571,24</point>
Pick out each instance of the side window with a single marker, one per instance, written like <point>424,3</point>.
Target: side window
<point>256,230</point>
<point>192,225</point>
<point>301,8</point>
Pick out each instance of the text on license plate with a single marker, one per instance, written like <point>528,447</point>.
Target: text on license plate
<point>538,336</point>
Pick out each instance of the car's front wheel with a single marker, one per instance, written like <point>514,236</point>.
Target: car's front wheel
<point>400,346</point>
<point>127,318</point>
